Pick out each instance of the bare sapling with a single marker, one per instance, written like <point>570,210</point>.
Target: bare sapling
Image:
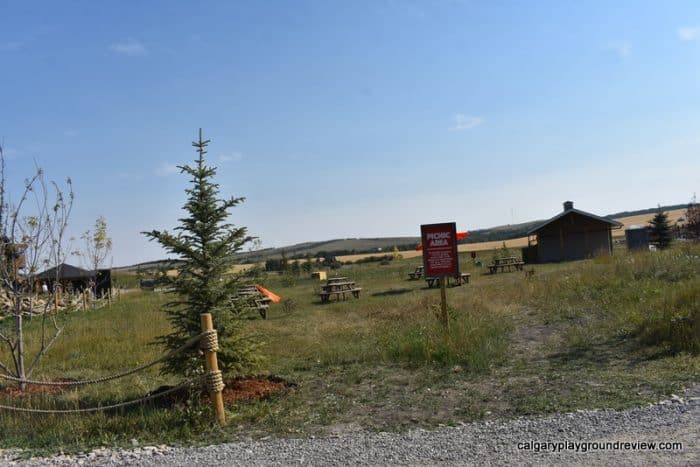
<point>32,237</point>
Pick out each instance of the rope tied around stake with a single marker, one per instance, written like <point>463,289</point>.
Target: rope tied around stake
<point>209,341</point>
<point>215,381</point>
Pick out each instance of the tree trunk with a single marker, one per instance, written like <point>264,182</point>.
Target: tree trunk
<point>20,341</point>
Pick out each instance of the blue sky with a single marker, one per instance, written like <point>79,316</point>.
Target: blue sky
<point>353,119</point>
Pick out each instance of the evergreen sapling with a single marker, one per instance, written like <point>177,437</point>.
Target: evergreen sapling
<point>205,243</point>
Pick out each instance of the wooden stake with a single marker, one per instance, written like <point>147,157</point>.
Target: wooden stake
<point>213,365</point>
<point>443,302</point>
<point>84,300</point>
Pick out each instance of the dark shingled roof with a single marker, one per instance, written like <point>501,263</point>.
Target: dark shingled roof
<point>613,223</point>
<point>65,271</point>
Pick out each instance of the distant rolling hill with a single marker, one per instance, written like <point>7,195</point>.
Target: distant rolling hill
<point>342,246</point>
<point>357,246</point>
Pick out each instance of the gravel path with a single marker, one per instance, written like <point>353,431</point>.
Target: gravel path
<point>482,443</point>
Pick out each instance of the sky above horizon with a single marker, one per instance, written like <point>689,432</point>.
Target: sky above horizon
<point>352,119</point>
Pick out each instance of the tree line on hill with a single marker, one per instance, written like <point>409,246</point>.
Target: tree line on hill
<point>639,212</point>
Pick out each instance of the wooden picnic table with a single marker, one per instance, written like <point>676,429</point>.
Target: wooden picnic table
<point>254,299</point>
<point>510,263</point>
<point>335,280</point>
<point>459,279</point>
<point>506,260</point>
<point>417,274</point>
<point>338,286</point>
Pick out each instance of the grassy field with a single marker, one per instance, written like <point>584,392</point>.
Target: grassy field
<point>608,332</point>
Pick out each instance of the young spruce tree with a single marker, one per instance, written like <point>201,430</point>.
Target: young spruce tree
<point>205,243</point>
<point>661,229</point>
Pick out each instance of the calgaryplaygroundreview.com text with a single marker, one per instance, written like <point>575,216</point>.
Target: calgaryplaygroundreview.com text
<point>586,446</point>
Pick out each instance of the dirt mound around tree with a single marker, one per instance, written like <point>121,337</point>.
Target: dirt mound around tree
<point>250,388</point>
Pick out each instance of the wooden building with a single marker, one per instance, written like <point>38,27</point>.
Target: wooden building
<point>570,235</point>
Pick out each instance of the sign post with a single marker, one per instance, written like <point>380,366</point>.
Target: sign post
<point>443,303</point>
<point>440,257</point>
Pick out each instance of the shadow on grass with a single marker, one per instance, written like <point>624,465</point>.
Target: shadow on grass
<point>609,352</point>
<point>437,287</point>
<point>390,292</point>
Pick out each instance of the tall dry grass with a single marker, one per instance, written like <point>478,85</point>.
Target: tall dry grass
<point>652,298</point>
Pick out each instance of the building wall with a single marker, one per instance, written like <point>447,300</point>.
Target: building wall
<point>573,237</point>
<point>637,239</point>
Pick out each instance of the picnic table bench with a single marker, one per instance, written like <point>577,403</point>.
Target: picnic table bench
<point>254,299</point>
<point>338,286</point>
<point>417,274</point>
<point>510,263</point>
<point>459,279</point>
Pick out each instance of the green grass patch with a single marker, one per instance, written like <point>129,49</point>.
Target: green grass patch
<point>474,340</point>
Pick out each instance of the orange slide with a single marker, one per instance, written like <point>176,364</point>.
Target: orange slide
<point>267,293</point>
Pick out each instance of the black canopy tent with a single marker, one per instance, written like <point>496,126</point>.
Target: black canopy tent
<point>75,278</point>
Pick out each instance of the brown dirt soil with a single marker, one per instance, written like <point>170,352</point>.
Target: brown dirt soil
<point>12,390</point>
<point>249,388</point>
<point>239,389</point>
<point>254,388</point>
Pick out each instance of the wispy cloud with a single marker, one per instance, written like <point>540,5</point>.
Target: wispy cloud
<point>234,156</point>
<point>166,169</point>
<point>70,133</point>
<point>465,122</point>
<point>621,49</point>
<point>689,33</point>
<point>130,47</point>
<point>11,46</point>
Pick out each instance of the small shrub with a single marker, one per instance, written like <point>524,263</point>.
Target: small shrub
<point>289,305</point>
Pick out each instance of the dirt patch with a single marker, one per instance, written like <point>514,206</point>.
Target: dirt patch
<point>240,389</point>
<point>249,388</point>
<point>12,390</point>
<point>255,388</point>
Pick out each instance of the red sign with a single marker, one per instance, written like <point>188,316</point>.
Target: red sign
<point>440,249</point>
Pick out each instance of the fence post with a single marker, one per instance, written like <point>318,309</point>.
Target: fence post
<point>215,383</point>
